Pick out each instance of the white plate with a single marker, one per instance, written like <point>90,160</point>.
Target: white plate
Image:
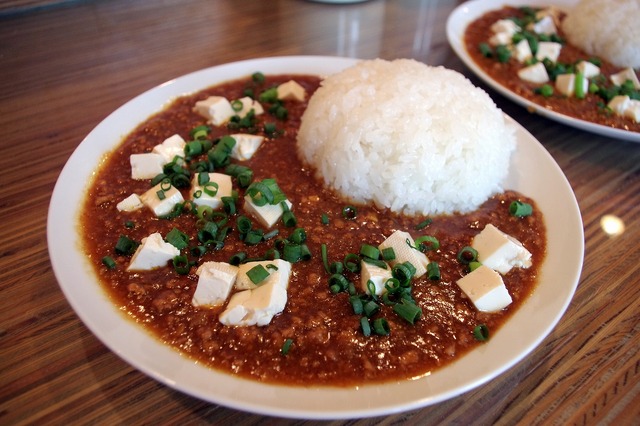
<point>466,13</point>
<point>533,172</point>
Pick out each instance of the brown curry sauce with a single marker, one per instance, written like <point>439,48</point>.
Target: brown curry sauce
<point>328,346</point>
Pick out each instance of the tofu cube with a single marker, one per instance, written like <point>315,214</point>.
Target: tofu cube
<point>402,244</point>
<point>163,204</point>
<point>153,253</point>
<point>626,74</point>
<point>377,275</point>
<point>633,110</point>
<point>500,39</point>
<point>619,104</point>
<point>216,109</point>
<point>215,282</point>
<point>248,104</point>
<point>224,188</point>
<point>171,147</point>
<point>257,306</point>
<point>146,166</point>
<point>551,11</point>
<point>500,251</point>
<point>589,69</point>
<point>535,73</point>
<point>548,49</point>
<point>507,26</point>
<point>291,91</point>
<point>522,51</point>
<point>129,204</point>
<point>545,25</point>
<point>246,145</point>
<point>485,288</point>
<point>565,83</point>
<point>279,272</point>
<point>266,215</point>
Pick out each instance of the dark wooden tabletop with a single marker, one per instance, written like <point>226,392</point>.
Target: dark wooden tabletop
<point>65,67</point>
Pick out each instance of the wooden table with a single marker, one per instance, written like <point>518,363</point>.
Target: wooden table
<point>65,68</point>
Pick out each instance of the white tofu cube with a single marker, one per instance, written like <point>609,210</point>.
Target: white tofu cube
<point>507,26</point>
<point>589,69</point>
<point>548,49</point>
<point>485,288</point>
<point>266,215</point>
<point>146,166</point>
<point>153,253</point>
<point>535,73</point>
<point>257,306</point>
<point>161,204</point>
<point>619,104</point>
<point>377,275</point>
<point>171,147</point>
<point>500,39</point>
<point>279,272</point>
<point>626,74</point>
<point>216,109</point>
<point>129,204</point>
<point>248,104</point>
<point>522,51</point>
<point>633,110</point>
<point>545,25</point>
<point>291,91</point>
<point>246,145</point>
<point>402,244</point>
<point>224,189</point>
<point>565,84</point>
<point>500,251</point>
<point>214,283</point>
<point>552,11</point>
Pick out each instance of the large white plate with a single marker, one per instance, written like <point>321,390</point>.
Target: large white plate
<point>466,13</point>
<point>533,172</point>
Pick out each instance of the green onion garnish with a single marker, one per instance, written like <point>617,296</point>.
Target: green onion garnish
<point>481,333</point>
<point>109,262</point>
<point>286,346</point>
<point>257,274</point>
<point>408,311</point>
<point>467,255</point>
<point>364,325</point>
<point>369,251</point>
<point>349,212</point>
<point>427,243</point>
<point>381,327</point>
<point>520,209</point>
<point>125,245</point>
<point>181,265</point>
<point>177,238</point>
<point>433,271</point>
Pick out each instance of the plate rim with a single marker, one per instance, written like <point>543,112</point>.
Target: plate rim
<point>263,396</point>
<point>462,15</point>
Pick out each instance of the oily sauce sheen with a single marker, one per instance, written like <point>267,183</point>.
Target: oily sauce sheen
<point>328,346</point>
<point>589,109</point>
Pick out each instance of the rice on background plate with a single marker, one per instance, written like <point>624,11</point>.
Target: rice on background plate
<point>609,29</point>
<point>407,136</point>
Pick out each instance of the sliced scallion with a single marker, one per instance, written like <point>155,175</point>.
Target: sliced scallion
<point>481,333</point>
<point>257,274</point>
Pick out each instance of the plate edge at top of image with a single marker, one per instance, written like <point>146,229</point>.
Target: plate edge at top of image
<point>517,338</point>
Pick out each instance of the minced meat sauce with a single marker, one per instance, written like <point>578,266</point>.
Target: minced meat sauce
<point>327,344</point>
<point>592,108</point>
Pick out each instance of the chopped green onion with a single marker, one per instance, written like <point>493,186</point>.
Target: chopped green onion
<point>579,85</point>
<point>481,333</point>
<point>236,105</point>
<point>424,224</point>
<point>356,304</point>
<point>177,238</point>
<point>503,53</point>
<point>129,224</point>
<point>409,311</point>
<point>258,77</point>
<point>388,253</point>
<point>520,209</point>
<point>365,326</point>
<point>427,243</point>
<point>203,178</point>
<point>286,346</point>
<point>352,262</point>
<point>109,262</point>
<point>381,327</point>
<point>161,195</point>
<point>403,272</point>
<point>125,245</point>
<point>238,258</point>
<point>181,265</point>
<point>369,251</point>
<point>243,224</point>
<point>298,236</point>
<point>349,212</point>
<point>270,128</point>
<point>269,95</point>
<point>197,251</point>
<point>200,132</point>
<point>253,237</point>
<point>257,274</point>
<point>325,257</point>
<point>338,282</point>
<point>467,255</point>
<point>370,308</point>
<point>324,219</point>
<point>433,271</point>
<point>210,188</point>
<point>485,50</point>
<point>474,265</point>
<point>377,262</point>
<point>545,90</point>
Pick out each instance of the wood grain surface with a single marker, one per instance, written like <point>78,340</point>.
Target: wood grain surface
<point>64,69</point>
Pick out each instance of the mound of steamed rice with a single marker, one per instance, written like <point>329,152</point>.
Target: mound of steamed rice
<point>409,137</point>
<point>609,29</point>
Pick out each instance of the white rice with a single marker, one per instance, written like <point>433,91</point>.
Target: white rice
<point>609,29</point>
<point>409,137</point>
